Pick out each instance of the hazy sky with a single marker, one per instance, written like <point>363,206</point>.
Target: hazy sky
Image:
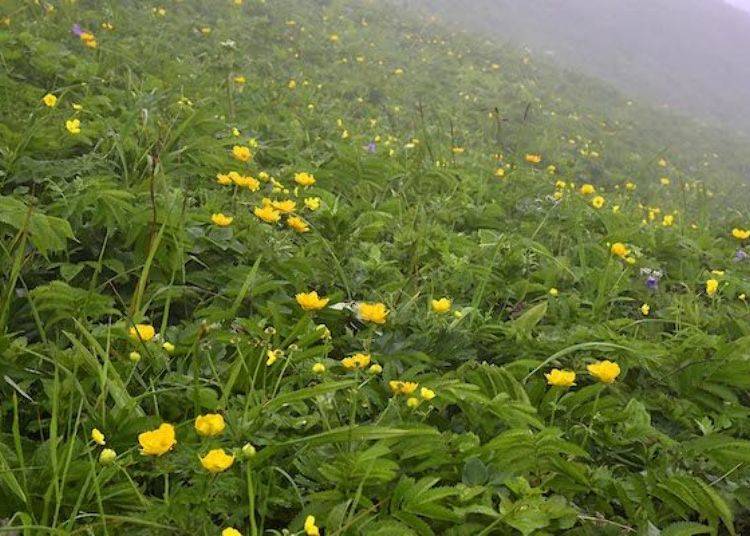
<point>742,4</point>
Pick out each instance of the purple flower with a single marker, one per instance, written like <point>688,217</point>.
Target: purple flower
<point>652,282</point>
<point>740,256</point>
<point>371,147</point>
<point>76,29</point>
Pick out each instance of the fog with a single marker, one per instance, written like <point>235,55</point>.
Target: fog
<point>689,56</point>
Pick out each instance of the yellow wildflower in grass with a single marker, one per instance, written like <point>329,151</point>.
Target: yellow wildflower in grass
<point>210,425</point>
<point>333,38</point>
<point>630,186</point>
<point>304,179</point>
<point>560,378</point>
<point>311,529</point>
<point>97,437</point>
<point>402,388</point>
<point>426,394</point>
<point>217,461</point>
<point>242,153</point>
<point>88,39</point>
<point>412,402</point>
<point>441,306</point>
<point>742,297</point>
<point>50,100</point>
<point>157,442</point>
<point>457,150</point>
<point>554,292</point>
<point>662,162</point>
<point>286,206</point>
<point>73,126</point>
<point>240,79</point>
<point>310,301</point>
<point>168,347</point>
<point>107,456</point>
<point>144,332</point>
<point>221,220</point>
<point>318,368</point>
<point>665,181</point>
<point>223,179</point>
<point>587,189</point>
<point>597,202</point>
<point>298,224</point>
<point>375,369</point>
<point>360,361</point>
<point>272,356</point>
<point>558,195</point>
<point>604,371</point>
<point>560,184</point>
<point>372,312</point>
<point>645,309</point>
<point>533,158</point>
<point>668,220</point>
<point>229,531</point>
<point>500,172</point>
<point>292,84</point>
<point>740,234</point>
<point>268,214</point>
<point>712,286</point>
<point>312,203</point>
<point>619,249</point>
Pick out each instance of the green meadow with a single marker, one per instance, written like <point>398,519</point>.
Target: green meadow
<point>296,267</point>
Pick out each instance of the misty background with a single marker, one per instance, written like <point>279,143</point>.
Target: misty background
<point>688,56</point>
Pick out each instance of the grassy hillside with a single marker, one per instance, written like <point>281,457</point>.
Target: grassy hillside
<point>531,312</point>
<point>645,47</point>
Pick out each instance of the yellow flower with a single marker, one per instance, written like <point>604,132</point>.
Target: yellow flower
<point>221,220</point>
<point>285,206</point>
<point>229,531</point>
<point>645,309</point>
<point>560,184</point>
<point>209,425</point>
<point>668,220</point>
<point>298,224</point>
<point>712,285</point>
<point>457,150</point>
<point>500,172</point>
<point>665,181</point>
<point>375,369</point>
<point>630,186</point>
<point>533,158</point>
<point>304,179</point>
<point>310,301</point>
<point>740,234</point>
<point>242,153</point>
<point>318,368</point>
<point>107,456</point>
<point>443,305</point>
<point>268,214</point>
<point>144,332</point>
<point>604,371</point>
<point>157,442</point>
<point>312,203</point>
<point>217,461</point>
<point>240,79</point>
<point>619,249</point>
<point>356,361</point>
<point>402,388</point>
<point>554,292</point>
<point>597,202</point>
<point>272,356</point>
<point>311,529</point>
<point>587,189</point>
<point>88,39</point>
<point>372,312</point>
<point>662,162</point>
<point>427,394</point>
<point>412,402</point>
<point>561,378</point>
<point>168,347</point>
<point>73,126</point>
<point>558,195</point>
<point>97,437</point>
<point>333,38</point>
<point>224,180</point>
<point>50,100</point>
<point>292,84</point>
<point>742,297</point>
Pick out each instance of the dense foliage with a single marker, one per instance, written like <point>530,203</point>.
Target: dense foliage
<point>530,317</point>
